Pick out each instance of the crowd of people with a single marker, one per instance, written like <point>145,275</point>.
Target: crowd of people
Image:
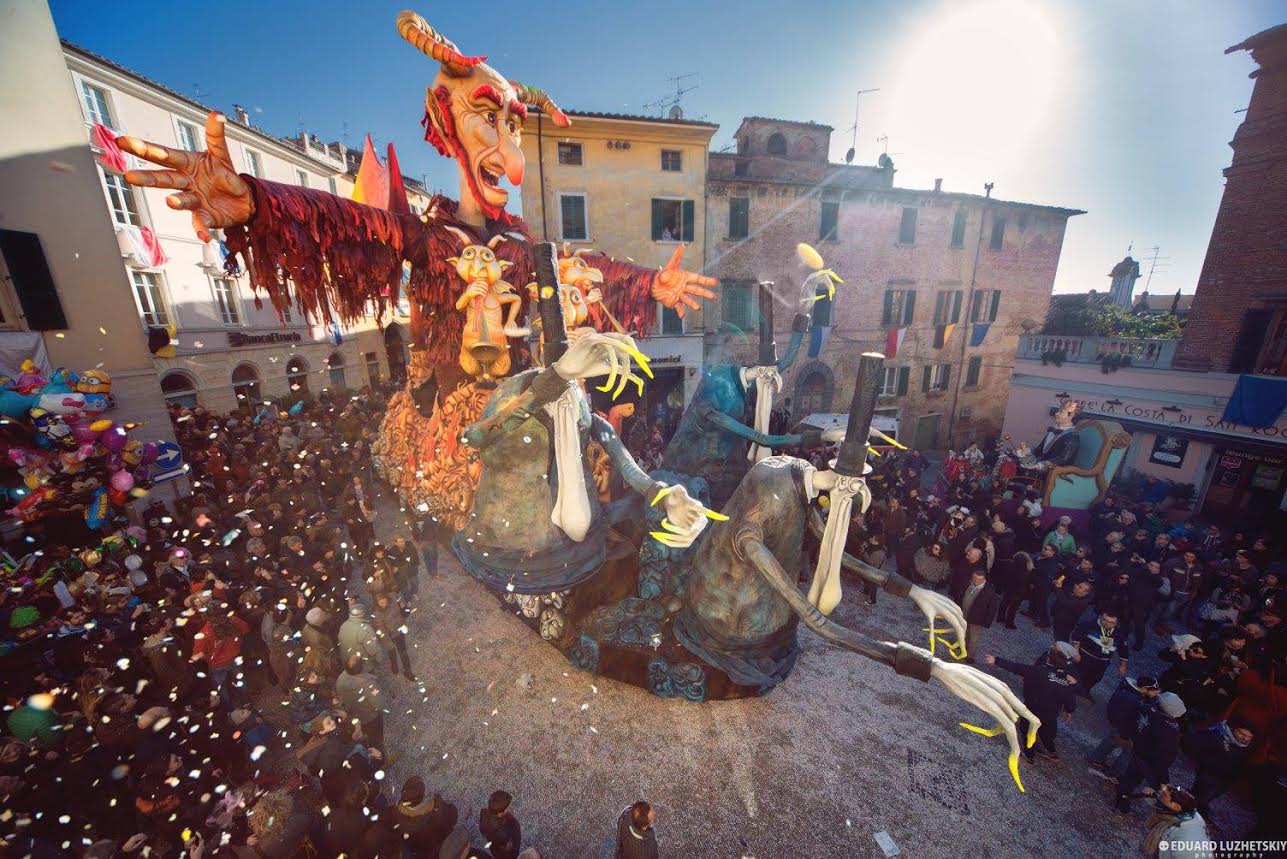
<point>214,681</point>
<point>1137,574</point>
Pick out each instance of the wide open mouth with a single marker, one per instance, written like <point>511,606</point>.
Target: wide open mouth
<point>490,177</point>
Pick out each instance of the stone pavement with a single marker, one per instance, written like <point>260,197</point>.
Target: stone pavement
<point>842,750</point>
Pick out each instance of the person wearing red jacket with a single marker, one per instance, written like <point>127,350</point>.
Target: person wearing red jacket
<point>219,644</point>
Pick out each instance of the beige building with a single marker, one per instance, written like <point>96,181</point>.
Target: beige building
<point>229,351</point>
<point>64,293</point>
<point>633,187</point>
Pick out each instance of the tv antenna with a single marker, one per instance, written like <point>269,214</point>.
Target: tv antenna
<point>670,103</point>
<point>853,141</point>
<point>1155,263</point>
<point>198,93</point>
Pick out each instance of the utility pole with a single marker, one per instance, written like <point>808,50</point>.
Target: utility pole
<point>853,141</point>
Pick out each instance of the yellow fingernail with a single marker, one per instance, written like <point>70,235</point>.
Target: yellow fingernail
<point>718,517</point>
<point>986,732</point>
<point>669,526</point>
<point>1032,737</point>
<point>607,386</point>
<point>622,386</point>
<point>638,382</point>
<point>1014,772</point>
<point>661,493</point>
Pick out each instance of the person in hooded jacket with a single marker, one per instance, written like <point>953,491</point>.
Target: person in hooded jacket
<point>500,827</point>
<point>421,824</point>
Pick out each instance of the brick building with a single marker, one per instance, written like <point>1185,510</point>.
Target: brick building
<point>1238,323</point>
<point>957,274</point>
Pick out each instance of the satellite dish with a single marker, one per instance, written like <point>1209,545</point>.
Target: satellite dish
<point>849,156</point>
<point>676,112</point>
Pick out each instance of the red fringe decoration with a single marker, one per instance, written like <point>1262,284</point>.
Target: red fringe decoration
<point>627,291</point>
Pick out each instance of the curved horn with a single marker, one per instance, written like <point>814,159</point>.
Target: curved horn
<point>541,99</point>
<point>433,44</point>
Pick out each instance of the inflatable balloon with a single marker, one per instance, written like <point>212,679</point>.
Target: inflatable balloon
<point>122,481</point>
<point>84,435</point>
<point>114,440</point>
<point>62,381</point>
<point>94,382</point>
<point>14,404</point>
<point>150,452</point>
<point>97,403</point>
<point>101,425</point>
<point>62,404</point>
<point>29,380</point>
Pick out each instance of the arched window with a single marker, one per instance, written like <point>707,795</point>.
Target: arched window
<point>179,389</point>
<point>335,369</point>
<point>297,376</point>
<point>245,384</point>
<point>776,144</point>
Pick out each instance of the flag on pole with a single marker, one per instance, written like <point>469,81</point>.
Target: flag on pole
<point>978,332</point>
<point>894,342</point>
<point>942,334</point>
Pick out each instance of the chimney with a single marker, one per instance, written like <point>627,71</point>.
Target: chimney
<point>938,185</point>
<point>240,115</point>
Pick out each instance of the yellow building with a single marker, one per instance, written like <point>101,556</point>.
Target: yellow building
<point>633,187</point>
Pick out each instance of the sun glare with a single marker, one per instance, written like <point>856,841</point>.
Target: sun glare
<point>976,84</point>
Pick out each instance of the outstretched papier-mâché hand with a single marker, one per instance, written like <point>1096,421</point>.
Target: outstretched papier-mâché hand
<point>993,697</point>
<point>676,288</point>
<point>208,184</point>
<point>595,354</point>
<point>685,517</point>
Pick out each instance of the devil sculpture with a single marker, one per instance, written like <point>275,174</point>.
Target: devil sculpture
<point>342,258</point>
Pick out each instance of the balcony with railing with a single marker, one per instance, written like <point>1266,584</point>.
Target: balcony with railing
<point>1118,351</point>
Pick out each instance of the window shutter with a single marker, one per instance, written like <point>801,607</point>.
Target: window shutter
<point>32,281</point>
<point>690,213</point>
<point>939,300</point>
<point>947,376</point>
<point>956,306</point>
<point>996,305</point>
<point>656,220</point>
<point>909,312</point>
<point>887,316</point>
<point>903,374</point>
<point>925,380</point>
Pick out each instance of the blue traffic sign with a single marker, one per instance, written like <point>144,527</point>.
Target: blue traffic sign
<point>169,457</point>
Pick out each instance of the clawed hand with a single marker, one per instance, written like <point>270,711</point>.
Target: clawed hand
<point>994,698</point>
<point>685,517</point>
<point>598,354</point>
<point>935,605</point>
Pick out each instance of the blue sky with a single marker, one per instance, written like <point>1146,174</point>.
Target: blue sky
<point>1122,109</point>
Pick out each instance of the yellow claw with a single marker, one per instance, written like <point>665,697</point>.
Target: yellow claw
<point>661,493</point>
<point>665,539</point>
<point>718,517</point>
<point>1032,738</point>
<point>986,732</point>
<point>642,360</point>
<point>1014,771</point>
<point>832,274</point>
<point>607,386</point>
<point>625,377</point>
<point>639,382</point>
<point>888,440</point>
<point>670,526</point>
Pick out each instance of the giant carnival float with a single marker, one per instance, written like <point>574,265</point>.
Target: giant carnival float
<point>683,582</point>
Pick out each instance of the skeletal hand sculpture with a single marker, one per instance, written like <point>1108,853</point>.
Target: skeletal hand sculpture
<point>597,354</point>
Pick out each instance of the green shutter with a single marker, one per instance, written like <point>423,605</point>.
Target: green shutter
<point>939,300</point>
<point>887,315</point>
<point>972,371</point>
<point>903,374</point>
<point>910,312</point>
<point>947,376</point>
<point>690,213</point>
<point>956,306</point>
<point>996,305</point>
<point>656,220</point>
<point>925,380</point>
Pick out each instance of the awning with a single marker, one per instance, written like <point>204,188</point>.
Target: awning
<point>1236,441</point>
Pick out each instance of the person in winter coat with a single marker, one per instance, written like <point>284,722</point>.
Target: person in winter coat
<point>390,619</point>
<point>979,606</point>
<point>1147,588</point>
<point>1069,606</point>
<point>219,644</point>
<point>384,578</point>
<point>362,700</point>
<point>1155,749</point>
<point>873,552</point>
<point>280,641</point>
<point>422,823</point>
<point>1047,570</point>
<point>1096,642</point>
<point>1175,822</point>
<point>636,837</point>
<point>499,827</point>
<point>357,636</point>
<point>1015,581</point>
<point>1130,703</point>
<point>406,557</point>
<point>1064,542</point>
<point>905,555</point>
<point>931,566</point>
<point>1219,753</point>
<point>1004,541</point>
<point>1048,689</point>
<point>318,645</point>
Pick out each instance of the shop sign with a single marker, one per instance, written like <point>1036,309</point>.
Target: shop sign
<point>236,338</point>
<point>1180,417</point>
<point>1169,450</point>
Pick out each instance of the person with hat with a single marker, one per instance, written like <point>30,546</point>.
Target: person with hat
<point>1130,702</point>
<point>1155,749</point>
<point>1175,821</point>
<point>357,636</point>
<point>1049,687</point>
